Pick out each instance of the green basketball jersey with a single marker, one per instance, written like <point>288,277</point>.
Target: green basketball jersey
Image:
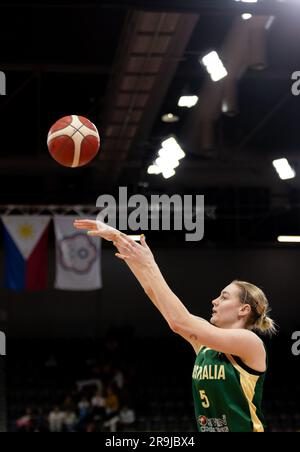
<point>227,394</point>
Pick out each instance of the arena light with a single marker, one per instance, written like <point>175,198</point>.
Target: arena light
<point>284,169</point>
<point>247,1</point>
<point>170,118</point>
<point>170,145</point>
<point>289,239</point>
<point>169,156</point>
<point>188,101</point>
<point>214,66</point>
<point>168,159</point>
<point>154,169</point>
<point>168,173</point>
<point>164,163</point>
<point>246,16</point>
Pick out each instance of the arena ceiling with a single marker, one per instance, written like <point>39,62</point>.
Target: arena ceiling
<point>124,64</point>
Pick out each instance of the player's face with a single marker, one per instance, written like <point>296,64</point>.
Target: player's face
<point>226,307</point>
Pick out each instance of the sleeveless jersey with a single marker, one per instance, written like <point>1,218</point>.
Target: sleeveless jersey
<point>227,394</point>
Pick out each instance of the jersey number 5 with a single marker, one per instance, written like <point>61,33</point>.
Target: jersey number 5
<point>204,398</point>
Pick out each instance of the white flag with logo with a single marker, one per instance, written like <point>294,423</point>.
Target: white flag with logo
<point>78,261</point>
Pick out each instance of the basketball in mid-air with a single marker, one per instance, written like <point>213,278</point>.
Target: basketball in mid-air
<point>73,141</point>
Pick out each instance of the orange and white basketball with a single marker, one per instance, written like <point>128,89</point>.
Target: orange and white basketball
<point>73,141</point>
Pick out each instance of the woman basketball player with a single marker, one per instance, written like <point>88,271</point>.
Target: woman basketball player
<point>230,366</point>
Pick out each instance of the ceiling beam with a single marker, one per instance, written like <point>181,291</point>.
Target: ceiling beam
<point>267,7</point>
<point>57,68</point>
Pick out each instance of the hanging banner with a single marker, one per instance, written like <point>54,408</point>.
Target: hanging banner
<point>78,257</point>
<point>26,252</point>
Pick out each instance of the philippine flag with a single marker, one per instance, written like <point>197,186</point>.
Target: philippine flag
<point>26,252</point>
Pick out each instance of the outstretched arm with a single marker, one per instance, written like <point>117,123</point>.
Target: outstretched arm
<point>140,260</point>
<point>197,331</point>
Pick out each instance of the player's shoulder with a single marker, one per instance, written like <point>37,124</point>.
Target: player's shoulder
<point>256,355</point>
<point>254,337</point>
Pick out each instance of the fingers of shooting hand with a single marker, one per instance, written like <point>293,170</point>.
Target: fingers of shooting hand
<point>79,224</point>
<point>122,256</point>
<point>84,224</point>
<point>125,241</point>
<point>127,238</point>
<point>143,242</point>
<point>122,246</point>
<point>82,220</point>
<point>94,233</point>
<point>122,249</point>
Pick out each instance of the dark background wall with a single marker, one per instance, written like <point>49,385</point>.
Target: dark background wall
<point>196,276</point>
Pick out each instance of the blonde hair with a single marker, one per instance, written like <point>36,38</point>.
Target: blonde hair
<point>255,297</point>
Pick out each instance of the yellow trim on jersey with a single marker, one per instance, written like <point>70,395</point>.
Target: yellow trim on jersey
<point>248,383</point>
<point>201,349</point>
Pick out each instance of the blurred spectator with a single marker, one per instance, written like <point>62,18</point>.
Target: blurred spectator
<point>126,417</point>
<point>24,423</point>
<point>41,422</point>
<point>84,409</point>
<point>111,403</point>
<point>56,420</point>
<point>118,379</point>
<point>70,421</point>
<point>98,404</point>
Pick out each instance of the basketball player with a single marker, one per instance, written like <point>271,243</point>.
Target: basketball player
<point>231,359</point>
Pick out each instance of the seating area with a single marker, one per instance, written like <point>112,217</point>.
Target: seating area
<point>118,384</point>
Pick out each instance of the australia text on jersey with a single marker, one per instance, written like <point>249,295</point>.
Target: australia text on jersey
<point>209,372</point>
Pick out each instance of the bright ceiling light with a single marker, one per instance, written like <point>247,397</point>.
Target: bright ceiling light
<point>284,169</point>
<point>153,169</point>
<point>289,239</point>
<point>188,101</point>
<point>246,16</point>
<point>168,159</point>
<point>168,155</point>
<point>173,147</point>
<point>214,66</point>
<point>168,173</point>
<point>169,117</point>
<point>164,163</point>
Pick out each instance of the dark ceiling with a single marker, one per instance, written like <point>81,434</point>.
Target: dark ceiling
<point>124,65</point>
